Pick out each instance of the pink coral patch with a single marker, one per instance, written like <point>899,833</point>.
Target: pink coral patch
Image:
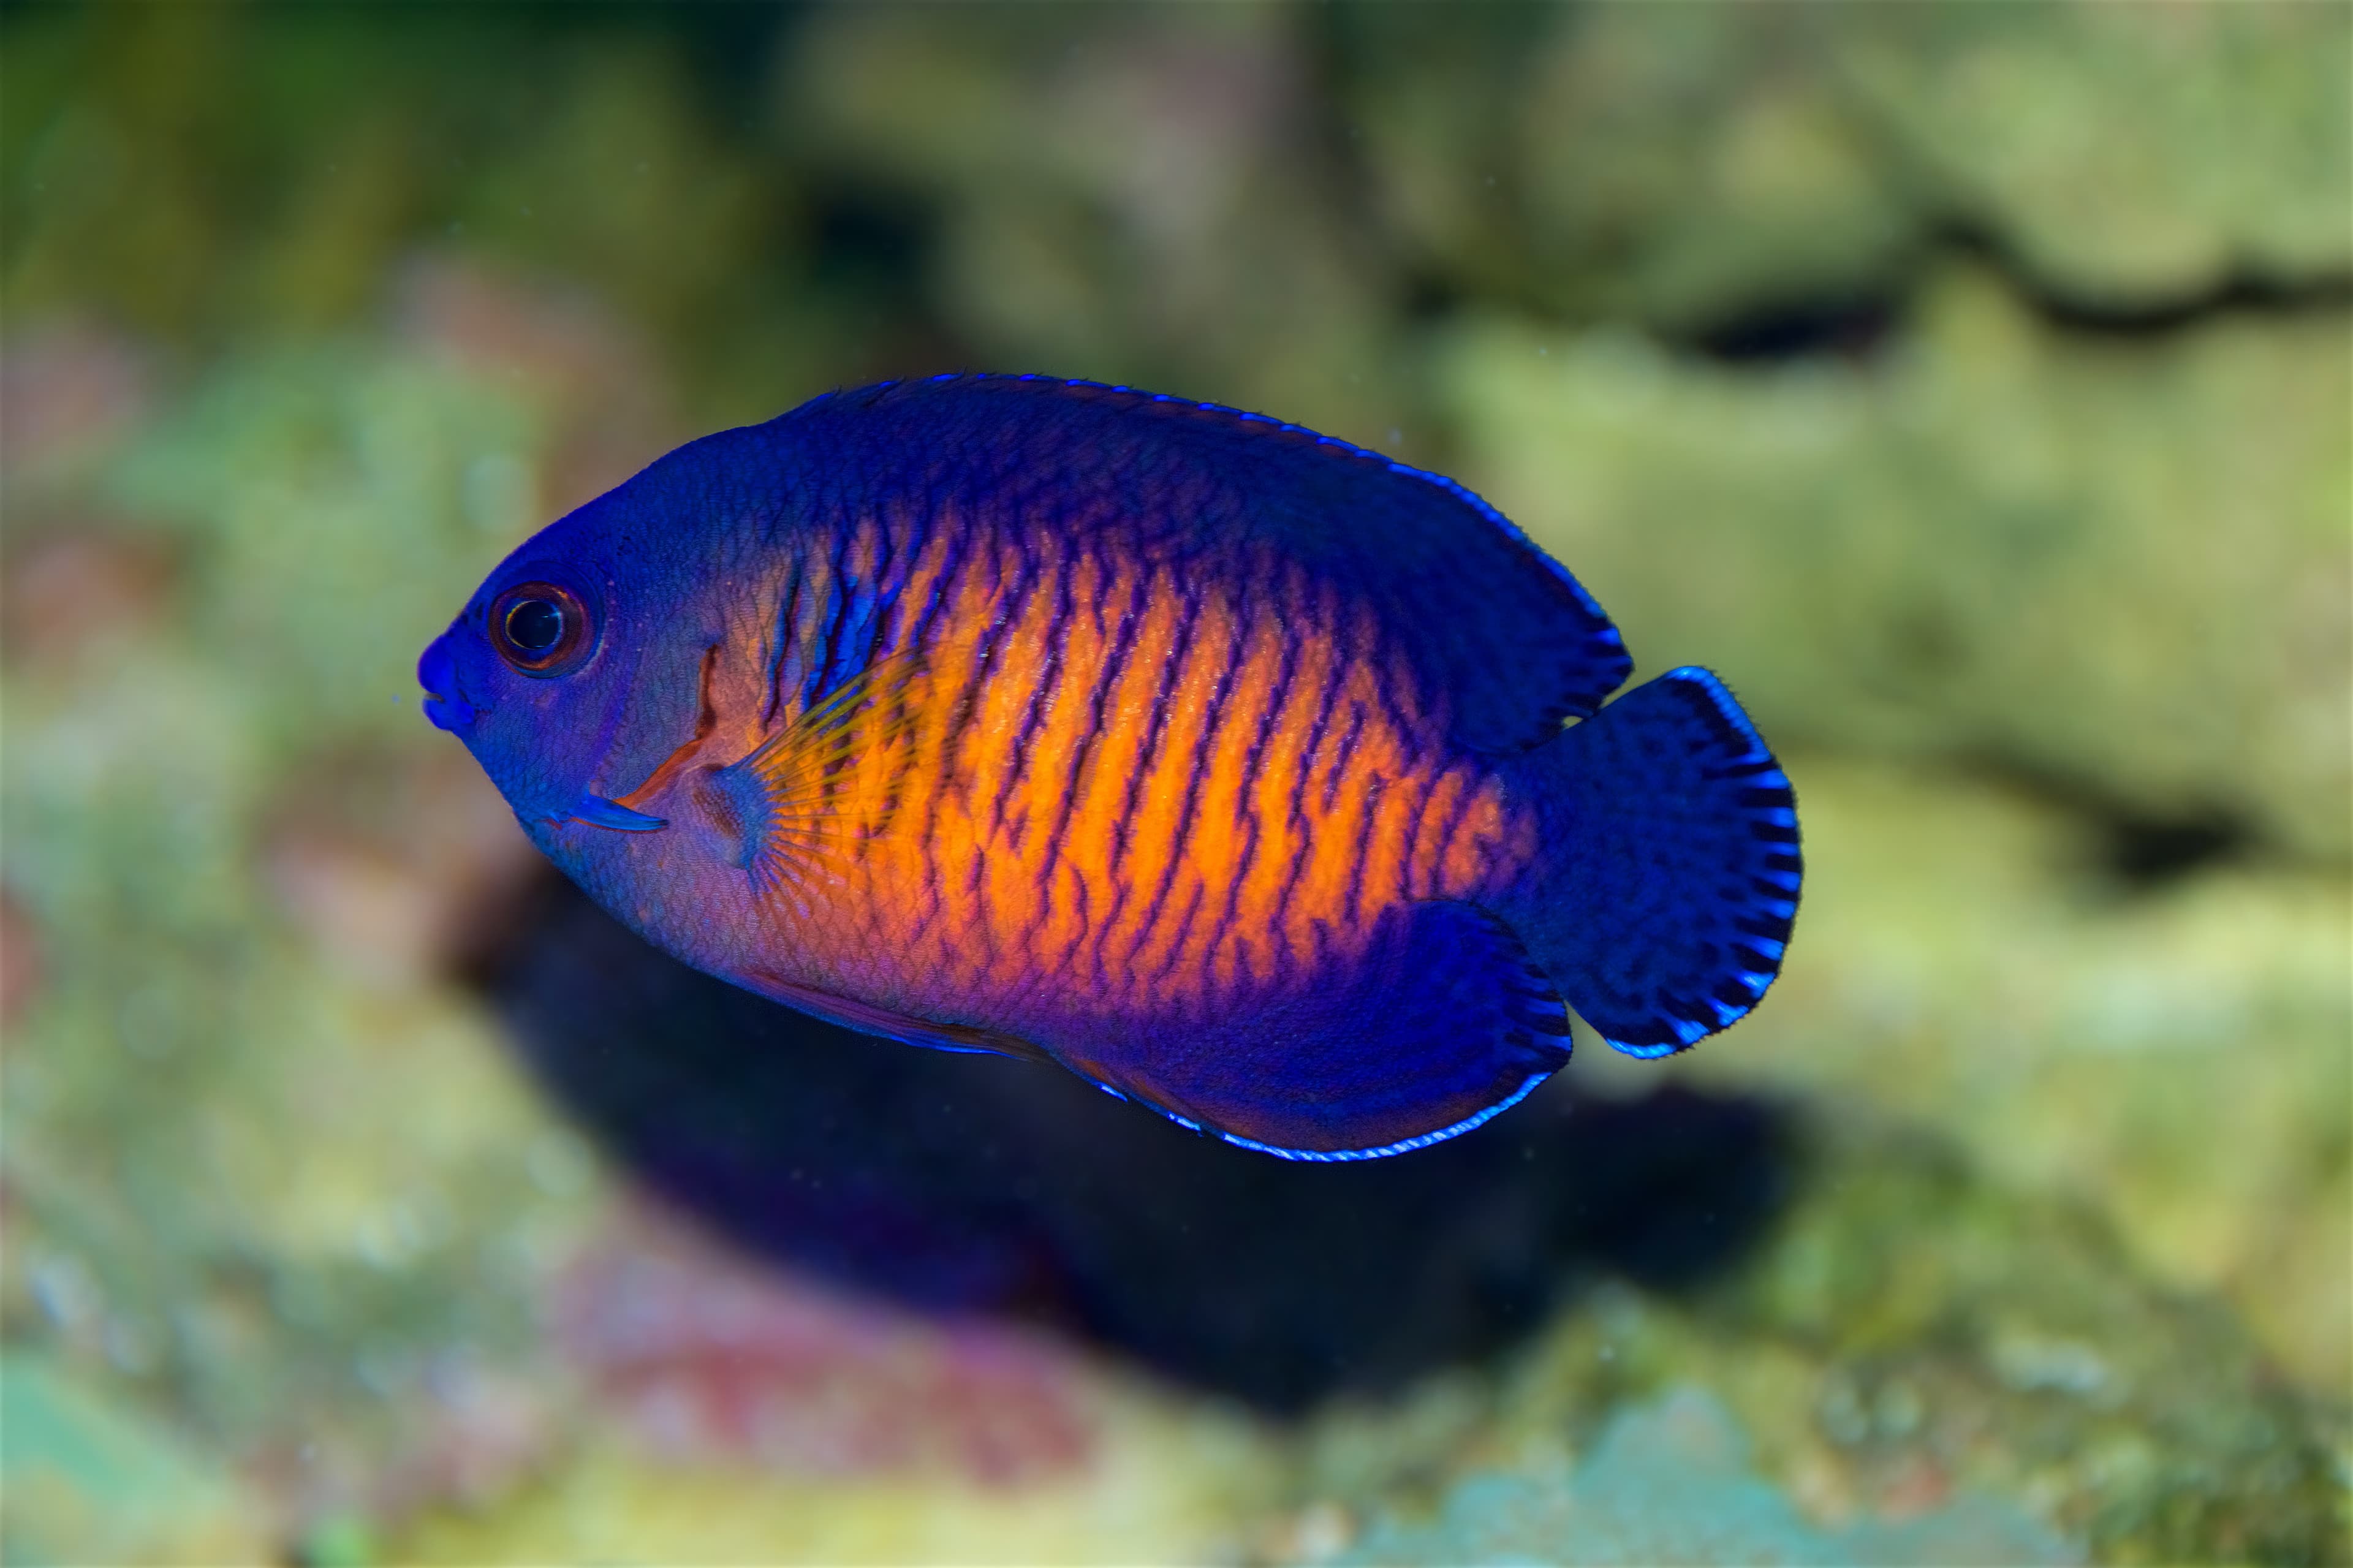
<point>708,1357</point>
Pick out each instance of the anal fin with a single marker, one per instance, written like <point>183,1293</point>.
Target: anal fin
<point>1439,1022</point>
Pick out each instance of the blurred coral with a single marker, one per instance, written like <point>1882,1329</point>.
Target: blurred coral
<point>1671,1482</point>
<point>20,959</point>
<point>69,588</point>
<point>604,392</point>
<point>706,1357</point>
<point>66,388</point>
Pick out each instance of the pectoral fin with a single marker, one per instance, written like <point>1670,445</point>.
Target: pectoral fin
<point>598,812</point>
<point>828,779</point>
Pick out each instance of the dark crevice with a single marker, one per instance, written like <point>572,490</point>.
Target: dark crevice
<point>2238,297</point>
<point>1851,328</point>
<point>863,241</point>
<point>871,253</point>
<point>982,1183</point>
<point>2245,295</point>
<point>2134,850</point>
<point>2144,852</point>
<point>1428,295</point>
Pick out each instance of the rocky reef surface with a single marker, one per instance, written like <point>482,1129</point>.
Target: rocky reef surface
<point>366,1198</point>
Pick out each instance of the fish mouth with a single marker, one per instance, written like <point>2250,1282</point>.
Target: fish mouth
<point>450,713</point>
<point>445,704</point>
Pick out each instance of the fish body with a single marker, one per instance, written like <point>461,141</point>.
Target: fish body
<point>1220,761</point>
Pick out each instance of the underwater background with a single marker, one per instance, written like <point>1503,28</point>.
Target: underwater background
<point>1971,384</point>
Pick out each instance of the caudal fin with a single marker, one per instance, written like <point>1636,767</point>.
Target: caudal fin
<point>1661,902</point>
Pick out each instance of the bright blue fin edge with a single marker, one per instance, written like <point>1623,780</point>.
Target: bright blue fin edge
<point>1662,902</point>
<point>1336,1156</point>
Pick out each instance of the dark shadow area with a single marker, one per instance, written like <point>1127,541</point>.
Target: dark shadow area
<point>983,1182</point>
<point>2147,852</point>
<point>1845,328</point>
<point>2132,849</point>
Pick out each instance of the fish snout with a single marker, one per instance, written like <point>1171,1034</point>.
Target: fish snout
<point>445,704</point>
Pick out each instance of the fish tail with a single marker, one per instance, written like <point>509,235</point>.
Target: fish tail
<point>1660,899</point>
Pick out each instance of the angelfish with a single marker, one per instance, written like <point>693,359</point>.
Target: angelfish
<point>1251,774</point>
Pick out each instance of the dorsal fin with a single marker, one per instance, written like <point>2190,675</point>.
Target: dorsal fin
<point>1499,629</point>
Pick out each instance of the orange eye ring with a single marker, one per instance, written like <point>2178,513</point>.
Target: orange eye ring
<point>540,628</point>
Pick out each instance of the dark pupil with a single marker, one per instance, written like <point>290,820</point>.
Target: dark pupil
<point>535,625</point>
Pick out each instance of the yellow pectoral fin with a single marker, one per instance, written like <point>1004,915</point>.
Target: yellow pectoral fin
<point>806,798</point>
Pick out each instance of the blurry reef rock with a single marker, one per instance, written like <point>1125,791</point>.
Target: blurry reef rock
<point>1671,1482</point>
<point>1970,383</point>
<point>1688,167</point>
<point>1996,540</point>
<point>1148,198</point>
<point>2177,1055</point>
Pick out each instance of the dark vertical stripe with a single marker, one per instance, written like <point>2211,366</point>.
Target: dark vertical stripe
<point>1245,797</point>
<point>1343,752</point>
<point>1183,930</point>
<point>1008,625</point>
<point>1463,799</point>
<point>814,684</point>
<point>1048,699</point>
<point>1075,778</point>
<point>1123,830</point>
<point>1113,676</point>
<point>1376,786</point>
<point>1049,675</point>
<point>944,582</point>
<point>1423,780</point>
<point>987,647</point>
<point>1398,675</point>
<point>786,608</point>
<point>1204,758</point>
<point>951,707</point>
<point>1334,677</point>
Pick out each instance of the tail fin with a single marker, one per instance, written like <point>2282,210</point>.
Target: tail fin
<point>1661,902</point>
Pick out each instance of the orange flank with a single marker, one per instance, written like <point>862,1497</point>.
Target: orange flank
<point>1097,782</point>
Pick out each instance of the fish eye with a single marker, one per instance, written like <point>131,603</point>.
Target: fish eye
<point>540,628</point>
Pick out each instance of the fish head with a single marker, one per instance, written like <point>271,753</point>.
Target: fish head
<point>573,669</point>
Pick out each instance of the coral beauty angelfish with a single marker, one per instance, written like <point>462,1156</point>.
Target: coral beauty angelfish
<point>1225,765</point>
